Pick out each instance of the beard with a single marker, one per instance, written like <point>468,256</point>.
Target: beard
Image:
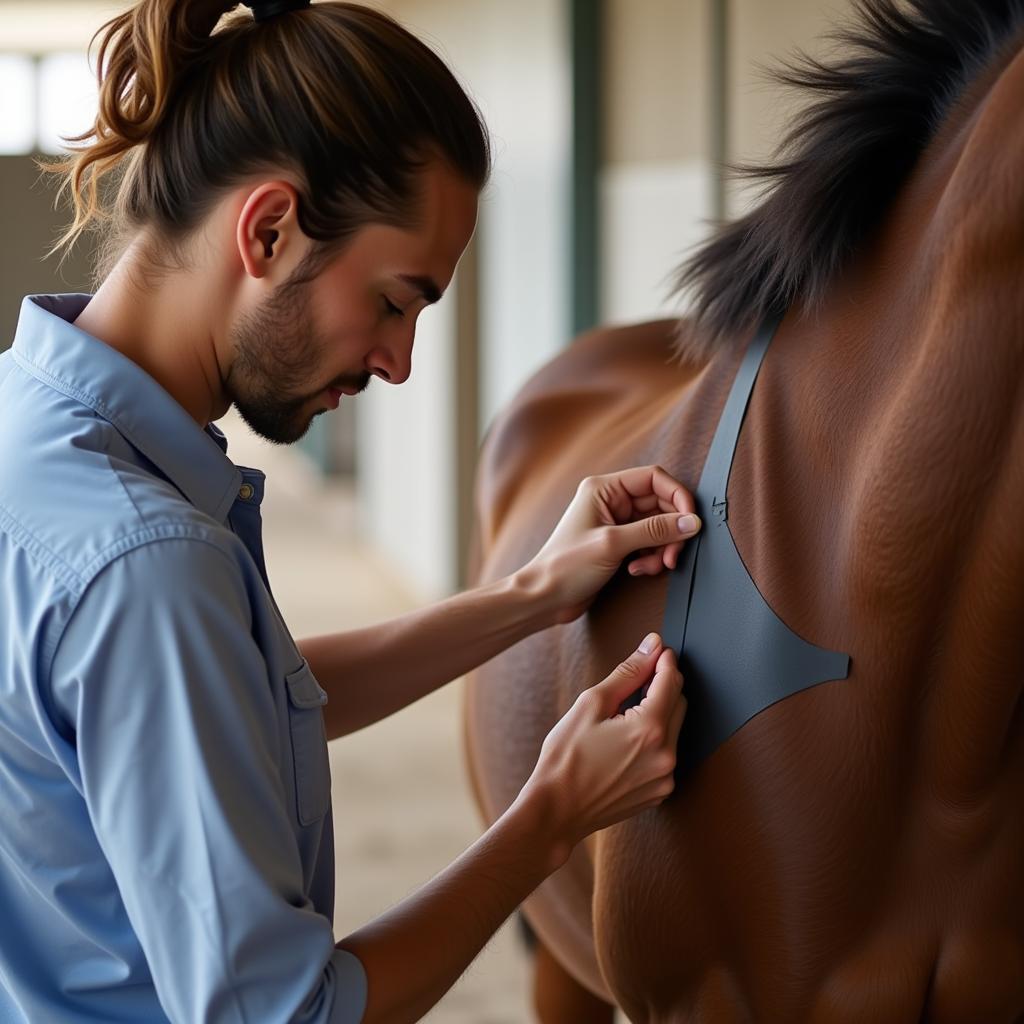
<point>277,352</point>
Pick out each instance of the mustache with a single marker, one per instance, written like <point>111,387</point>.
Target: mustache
<point>358,382</point>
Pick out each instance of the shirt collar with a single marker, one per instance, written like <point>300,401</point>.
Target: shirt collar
<point>49,346</point>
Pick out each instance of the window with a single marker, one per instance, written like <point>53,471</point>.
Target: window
<point>67,99</point>
<point>43,100</point>
<point>17,103</point>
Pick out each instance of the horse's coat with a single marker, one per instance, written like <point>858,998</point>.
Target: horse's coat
<point>852,853</point>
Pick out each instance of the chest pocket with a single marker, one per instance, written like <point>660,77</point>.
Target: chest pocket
<point>309,745</point>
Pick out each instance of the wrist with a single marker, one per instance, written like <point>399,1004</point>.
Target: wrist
<point>534,587</point>
<point>536,812</point>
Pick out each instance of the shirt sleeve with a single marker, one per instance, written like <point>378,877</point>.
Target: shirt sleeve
<point>179,747</point>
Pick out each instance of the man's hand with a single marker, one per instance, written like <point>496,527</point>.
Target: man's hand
<point>641,511</point>
<point>597,766</point>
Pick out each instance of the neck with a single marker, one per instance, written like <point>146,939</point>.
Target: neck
<point>174,328</point>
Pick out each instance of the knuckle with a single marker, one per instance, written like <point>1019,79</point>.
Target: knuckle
<point>654,737</point>
<point>586,700</point>
<point>665,763</point>
<point>629,667</point>
<point>666,787</point>
<point>656,529</point>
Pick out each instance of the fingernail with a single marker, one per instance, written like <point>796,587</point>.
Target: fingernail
<point>688,524</point>
<point>650,642</point>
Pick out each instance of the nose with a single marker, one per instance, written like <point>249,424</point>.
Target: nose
<point>392,361</point>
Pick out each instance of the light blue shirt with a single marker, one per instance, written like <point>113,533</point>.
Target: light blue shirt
<point>166,847</point>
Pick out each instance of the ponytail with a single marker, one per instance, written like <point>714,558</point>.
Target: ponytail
<point>139,54</point>
<point>190,106</point>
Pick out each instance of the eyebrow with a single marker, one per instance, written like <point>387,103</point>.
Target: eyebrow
<point>426,286</point>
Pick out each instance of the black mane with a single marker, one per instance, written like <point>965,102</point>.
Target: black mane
<point>903,64</point>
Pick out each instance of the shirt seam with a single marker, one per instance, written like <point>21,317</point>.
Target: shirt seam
<point>127,493</point>
<point>35,548</point>
<point>133,542</point>
<point>79,394</point>
<point>45,376</point>
<point>146,535</point>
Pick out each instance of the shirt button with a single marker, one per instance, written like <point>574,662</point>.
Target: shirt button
<point>245,492</point>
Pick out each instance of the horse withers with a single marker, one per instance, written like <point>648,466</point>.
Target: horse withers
<point>853,851</point>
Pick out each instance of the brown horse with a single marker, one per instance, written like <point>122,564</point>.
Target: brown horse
<point>855,851</point>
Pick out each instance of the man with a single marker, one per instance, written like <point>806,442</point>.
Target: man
<point>167,850</point>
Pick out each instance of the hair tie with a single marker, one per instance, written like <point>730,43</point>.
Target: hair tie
<point>269,8</point>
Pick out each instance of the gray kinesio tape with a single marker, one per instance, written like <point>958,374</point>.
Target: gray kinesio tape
<point>737,656</point>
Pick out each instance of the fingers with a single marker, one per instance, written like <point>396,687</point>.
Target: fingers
<point>675,724</point>
<point>645,480</point>
<point>653,532</point>
<point>642,509</point>
<point>670,556</point>
<point>639,490</point>
<point>659,719</point>
<point>616,765</point>
<point>628,677</point>
<point>665,692</point>
<point>651,503</point>
<point>652,562</point>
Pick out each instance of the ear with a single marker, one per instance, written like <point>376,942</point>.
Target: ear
<point>268,235</point>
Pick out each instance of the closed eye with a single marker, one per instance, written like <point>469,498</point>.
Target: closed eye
<point>392,309</point>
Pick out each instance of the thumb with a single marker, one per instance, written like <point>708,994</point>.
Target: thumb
<point>628,676</point>
<point>655,531</point>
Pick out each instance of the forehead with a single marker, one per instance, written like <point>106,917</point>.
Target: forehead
<point>431,247</point>
<point>445,222</point>
<point>448,208</point>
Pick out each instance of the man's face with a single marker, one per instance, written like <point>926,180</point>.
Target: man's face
<point>354,321</point>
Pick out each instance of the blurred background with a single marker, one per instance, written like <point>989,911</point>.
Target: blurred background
<point>611,123</point>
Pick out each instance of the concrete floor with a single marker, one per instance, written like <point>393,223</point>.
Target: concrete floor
<point>401,803</point>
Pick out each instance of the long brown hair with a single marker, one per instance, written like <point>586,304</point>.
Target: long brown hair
<point>192,103</point>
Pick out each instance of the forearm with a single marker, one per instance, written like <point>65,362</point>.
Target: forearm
<point>371,673</point>
<point>416,951</point>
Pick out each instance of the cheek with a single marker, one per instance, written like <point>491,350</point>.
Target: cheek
<point>350,325</point>
<point>345,345</point>
<point>345,295</point>
<point>348,318</point>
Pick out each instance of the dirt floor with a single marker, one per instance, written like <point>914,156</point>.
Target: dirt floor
<point>401,804</point>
